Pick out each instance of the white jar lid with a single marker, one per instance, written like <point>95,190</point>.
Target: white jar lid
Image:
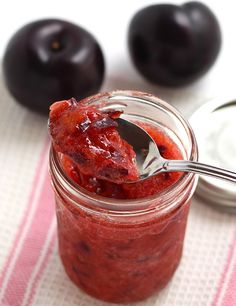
<point>214,125</point>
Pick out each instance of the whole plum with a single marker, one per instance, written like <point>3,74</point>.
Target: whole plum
<point>50,60</point>
<point>174,45</point>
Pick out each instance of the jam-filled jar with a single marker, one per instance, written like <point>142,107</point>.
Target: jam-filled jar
<point>126,247</point>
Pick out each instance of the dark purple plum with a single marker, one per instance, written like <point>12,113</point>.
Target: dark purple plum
<point>51,60</point>
<point>174,45</point>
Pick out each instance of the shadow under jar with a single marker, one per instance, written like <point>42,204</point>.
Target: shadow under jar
<point>124,250</point>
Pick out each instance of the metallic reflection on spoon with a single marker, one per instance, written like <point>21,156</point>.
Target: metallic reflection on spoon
<point>150,162</point>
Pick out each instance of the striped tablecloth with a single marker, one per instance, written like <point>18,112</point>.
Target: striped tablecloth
<point>30,270</point>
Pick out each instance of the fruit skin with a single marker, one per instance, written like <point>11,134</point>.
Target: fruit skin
<point>89,137</point>
<point>50,60</point>
<point>174,45</point>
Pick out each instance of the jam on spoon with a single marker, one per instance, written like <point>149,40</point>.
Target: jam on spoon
<point>90,138</point>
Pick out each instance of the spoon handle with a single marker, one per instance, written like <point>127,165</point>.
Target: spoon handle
<point>199,168</point>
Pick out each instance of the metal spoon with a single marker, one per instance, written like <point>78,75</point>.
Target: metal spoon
<point>150,162</point>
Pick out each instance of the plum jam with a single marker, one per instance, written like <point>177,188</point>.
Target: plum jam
<point>119,241</point>
<point>89,137</point>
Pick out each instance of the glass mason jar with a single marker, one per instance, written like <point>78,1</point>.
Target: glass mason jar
<point>125,250</point>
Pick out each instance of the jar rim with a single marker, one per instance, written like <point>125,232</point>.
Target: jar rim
<point>129,204</point>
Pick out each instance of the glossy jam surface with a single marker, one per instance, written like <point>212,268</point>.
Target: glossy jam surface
<point>117,258</point>
<point>89,137</point>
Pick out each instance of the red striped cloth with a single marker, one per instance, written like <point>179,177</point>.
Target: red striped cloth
<point>33,242</point>
<point>226,290</point>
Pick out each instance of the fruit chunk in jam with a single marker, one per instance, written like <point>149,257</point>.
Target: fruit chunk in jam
<point>89,137</point>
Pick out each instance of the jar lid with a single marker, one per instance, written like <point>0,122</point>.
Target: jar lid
<point>214,125</point>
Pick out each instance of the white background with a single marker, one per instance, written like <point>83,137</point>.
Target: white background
<point>108,22</point>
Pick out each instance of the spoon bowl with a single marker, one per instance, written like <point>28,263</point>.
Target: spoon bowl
<point>150,162</point>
